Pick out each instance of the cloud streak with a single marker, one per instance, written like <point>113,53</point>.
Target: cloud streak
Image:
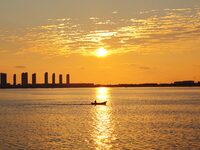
<point>66,36</point>
<point>20,67</point>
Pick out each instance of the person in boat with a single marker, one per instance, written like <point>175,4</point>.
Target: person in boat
<point>95,101</point>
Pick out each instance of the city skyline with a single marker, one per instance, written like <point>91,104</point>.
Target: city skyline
<point>25,83</point>
<point>130,41</point>
<point>31,79</point>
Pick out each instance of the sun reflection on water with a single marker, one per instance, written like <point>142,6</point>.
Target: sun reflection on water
<point>102,94</point>
<point>103,131</point>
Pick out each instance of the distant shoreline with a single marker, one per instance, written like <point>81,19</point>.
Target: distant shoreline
<point>85,85</point>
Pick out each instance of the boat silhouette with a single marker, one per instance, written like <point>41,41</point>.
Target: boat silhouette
<point>96,103</point>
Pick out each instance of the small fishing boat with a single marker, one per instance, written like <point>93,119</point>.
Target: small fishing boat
<point>102,103</point>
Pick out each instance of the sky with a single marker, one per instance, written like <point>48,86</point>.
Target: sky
<point>146,41</point>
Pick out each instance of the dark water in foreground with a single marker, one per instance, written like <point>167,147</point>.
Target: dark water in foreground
<point>135,118</point>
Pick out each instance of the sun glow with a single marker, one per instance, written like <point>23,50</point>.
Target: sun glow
<point>101,52</point>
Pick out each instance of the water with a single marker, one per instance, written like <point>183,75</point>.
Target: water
<point>135,118</point>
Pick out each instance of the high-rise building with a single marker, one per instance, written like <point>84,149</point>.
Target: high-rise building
<point>60,79</point>
<point>14,79</point>
<point>24,79</point>
<point>34,79</point>
<point>53,79</point>
<point>3,79</point>
<point>68,79</point>
<point>46,78</point>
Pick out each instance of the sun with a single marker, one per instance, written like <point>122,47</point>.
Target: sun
<point>101,52</point>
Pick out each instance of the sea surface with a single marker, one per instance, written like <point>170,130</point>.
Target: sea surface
<point>134,118</point>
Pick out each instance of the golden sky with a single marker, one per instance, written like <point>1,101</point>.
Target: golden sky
<point>103,41</point>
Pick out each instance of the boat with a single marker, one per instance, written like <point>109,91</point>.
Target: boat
<point>102,103</point>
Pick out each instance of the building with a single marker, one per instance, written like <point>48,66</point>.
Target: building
<point>184,83</point>
<point>24,79</point>
<point>34,82</point>
<point>68,79</point>
<point>46,78</point>
<point>3,79</point>
<point>60,79</point>
<point>53,79</point>
<point>14,79</point>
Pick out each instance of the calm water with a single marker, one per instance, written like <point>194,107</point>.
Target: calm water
<point>135,118</point>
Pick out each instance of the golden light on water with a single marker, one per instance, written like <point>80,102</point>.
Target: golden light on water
<point>103,132</point>
<point>101,52</point>
<point>102,94</point>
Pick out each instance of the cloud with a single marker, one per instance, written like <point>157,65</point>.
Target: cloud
<point>20,67</point>
<point>138,66</point>
<point>115,12</point>
<point>3,51</point>
<point>149,30</point>
<point>145,68</point>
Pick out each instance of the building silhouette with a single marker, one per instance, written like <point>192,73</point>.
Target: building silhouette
<point>46,78</point>
<point>3,79</point>
<point>60,79</point>
<point>34,79</point>
<point>68,79</point>
<point>53,79</point>
<point>184,83</point>
<point>24,79</point>
<point>24,83</point>
<point>14,79</point>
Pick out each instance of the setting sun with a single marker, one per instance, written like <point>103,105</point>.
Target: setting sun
<point>101,52</point>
